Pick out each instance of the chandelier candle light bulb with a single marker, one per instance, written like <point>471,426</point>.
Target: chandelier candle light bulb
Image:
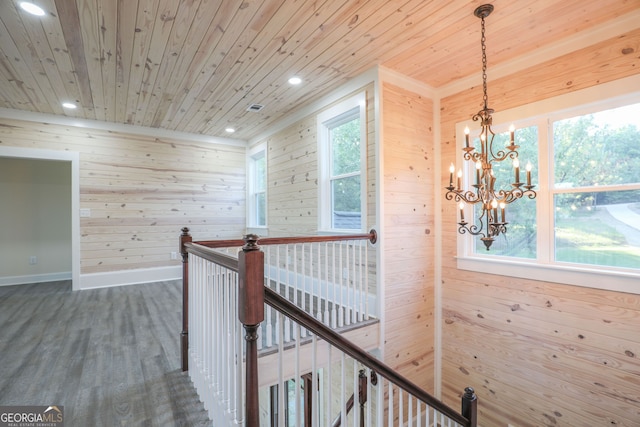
<point>452,169</point>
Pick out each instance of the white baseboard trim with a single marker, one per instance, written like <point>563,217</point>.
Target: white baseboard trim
<point>35,278</point>
<point>129,277</point>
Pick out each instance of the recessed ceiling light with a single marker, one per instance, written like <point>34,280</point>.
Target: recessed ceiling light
<point>230,130</point>
<point>295,80</point>
<point>69,105</point>
<point>32,8</point>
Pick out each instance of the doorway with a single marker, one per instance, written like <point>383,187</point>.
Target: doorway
<point>68,163</point>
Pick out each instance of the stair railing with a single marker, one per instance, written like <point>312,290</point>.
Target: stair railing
<point>225,361</point>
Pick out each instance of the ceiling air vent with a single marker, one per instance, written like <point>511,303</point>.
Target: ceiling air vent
<point>255,107</point>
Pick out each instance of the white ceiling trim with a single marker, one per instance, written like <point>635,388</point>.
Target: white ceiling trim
<point>7,113</point>
<point>388,75</point>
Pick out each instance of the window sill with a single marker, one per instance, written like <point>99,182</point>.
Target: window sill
<point>565,274</point>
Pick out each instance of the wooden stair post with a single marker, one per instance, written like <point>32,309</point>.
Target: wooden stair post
<point>470,406</point>
<point>185,237</point>
<point>362,394</point>
<point>251,314</point>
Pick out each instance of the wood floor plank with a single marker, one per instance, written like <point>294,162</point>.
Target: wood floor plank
<point>109,356</point>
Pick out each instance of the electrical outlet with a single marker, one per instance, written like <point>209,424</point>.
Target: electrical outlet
<point>33,260</point>
<point>85,213</point>
<point>174,255</point>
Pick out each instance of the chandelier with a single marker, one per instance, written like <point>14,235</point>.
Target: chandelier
<point>490,222</point>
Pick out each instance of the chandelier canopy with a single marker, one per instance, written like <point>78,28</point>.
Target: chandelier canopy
<point>483,193</point>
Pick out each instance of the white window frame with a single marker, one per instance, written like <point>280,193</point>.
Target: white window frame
<point>324,161</point>
<point>545,268</point>
<point>255,153</point>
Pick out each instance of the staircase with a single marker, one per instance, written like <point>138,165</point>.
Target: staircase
<point>281,332</point>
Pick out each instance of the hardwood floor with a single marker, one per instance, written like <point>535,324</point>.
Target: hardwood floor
<point>109,356</point>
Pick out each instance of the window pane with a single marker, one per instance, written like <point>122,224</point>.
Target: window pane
<point>599,228</point>
<point>261,211</point>
<point>345,198</point>
<point>520,239</point>
<point>260,177</point>
<point>345,147</point>
<point>598,149</point>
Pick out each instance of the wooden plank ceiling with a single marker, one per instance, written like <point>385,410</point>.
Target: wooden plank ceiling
<point>196,65</point>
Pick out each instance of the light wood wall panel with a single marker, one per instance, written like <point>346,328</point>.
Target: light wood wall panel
<point>407,123</point>
<point>292,174</point>
<point>538,353</point>
<point>142,190</point>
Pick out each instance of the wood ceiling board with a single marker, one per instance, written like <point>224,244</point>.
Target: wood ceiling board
<point>195,66</point>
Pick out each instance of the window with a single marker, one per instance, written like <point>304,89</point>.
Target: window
<point>257,180</point>
<point>596,187</point>
<point>342,148</point>
<point>584,224</point>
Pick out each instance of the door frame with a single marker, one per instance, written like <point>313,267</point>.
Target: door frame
<point>73,158</point>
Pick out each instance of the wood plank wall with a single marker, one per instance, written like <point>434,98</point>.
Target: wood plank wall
<point>292,174</point>
<point>292,178</point>
<point>539,353</point>
<point>142,190</point>
<point>407,122</point>
<point>409,217</point>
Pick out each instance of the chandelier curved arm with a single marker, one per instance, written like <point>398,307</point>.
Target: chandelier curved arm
<point>468,197</point>
<point>514,194</point>
<point>502,154</point>
<point>472,155</point>
<point>473,229</point>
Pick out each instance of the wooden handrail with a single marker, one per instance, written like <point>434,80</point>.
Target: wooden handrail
<point>210,254</point>
<point>372,236</point>
<point>308,322</point>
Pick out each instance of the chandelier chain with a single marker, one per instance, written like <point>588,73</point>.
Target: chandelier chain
<point>483,40</point>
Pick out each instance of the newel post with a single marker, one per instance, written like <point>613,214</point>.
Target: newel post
<point>185,237</point>
<point>470,406</point>
<point>251,314</point>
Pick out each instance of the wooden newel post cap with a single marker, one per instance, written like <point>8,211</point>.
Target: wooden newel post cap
<point>469,394</point>
<point>250,242</point>
<point>185,237</point>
